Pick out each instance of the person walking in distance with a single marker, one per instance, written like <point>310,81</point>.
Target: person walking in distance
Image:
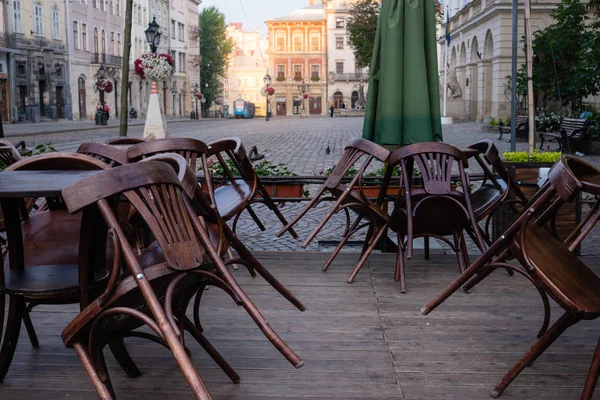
<point>331,108</point>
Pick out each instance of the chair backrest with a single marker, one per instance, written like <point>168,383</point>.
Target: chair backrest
<point>8,153</point>
<point>233,149</point>
<point>155,192</point>
<point>190,149</point>
<point>352,154</point>
<point>488,151</point>
<point>105,153</point>
<point>435,162</point>
<point>125,140</point>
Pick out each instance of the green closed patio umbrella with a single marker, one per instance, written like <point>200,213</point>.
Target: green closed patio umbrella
<point>403,102</point>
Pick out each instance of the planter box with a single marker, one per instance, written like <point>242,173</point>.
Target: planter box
<point>526,174</point>
<point>287,190</point>
<point>373,191</point>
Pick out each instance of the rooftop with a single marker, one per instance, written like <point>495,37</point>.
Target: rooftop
<point>311,13</point>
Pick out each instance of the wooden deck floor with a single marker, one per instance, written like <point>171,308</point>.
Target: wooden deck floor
<point>360,341</point>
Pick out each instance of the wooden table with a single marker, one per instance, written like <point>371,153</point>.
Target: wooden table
<point>15,186</point>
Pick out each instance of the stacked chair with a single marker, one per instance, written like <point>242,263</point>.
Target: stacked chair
<point>547,261</point>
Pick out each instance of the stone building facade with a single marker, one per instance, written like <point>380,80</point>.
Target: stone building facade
<point>298,53</point>
<point>479,55</point>
<point>38,61</point>
<point>247,68</point>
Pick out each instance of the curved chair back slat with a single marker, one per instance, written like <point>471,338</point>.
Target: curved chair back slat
<point>190,149</point>
<point>124,140</point>
<point>105,153</point>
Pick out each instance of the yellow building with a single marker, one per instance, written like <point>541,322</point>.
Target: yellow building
<point>298,54</point>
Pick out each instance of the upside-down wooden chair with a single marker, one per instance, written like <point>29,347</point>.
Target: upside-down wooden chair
<point>350,196</point>
<point>8,156</point>
<point>108,154</point>
<point>436,208</point>
<point>51,243</point>
<point>233,196</point>
<point>547,262</point>
<point>124,140</point>
<point>148,293</point>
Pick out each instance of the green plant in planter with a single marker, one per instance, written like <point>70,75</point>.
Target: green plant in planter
<point>315,78</point>
<point>493,122</point>
<point>280,78</point>
<point>264,168</point>
<point>297,78</point>
<point>39,149</point>
<point>536,157</point>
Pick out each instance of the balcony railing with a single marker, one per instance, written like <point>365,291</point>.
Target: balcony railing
<point>8,40</point>
<point>357,76</point>
<point>106,59</point>
<point>15,42</point>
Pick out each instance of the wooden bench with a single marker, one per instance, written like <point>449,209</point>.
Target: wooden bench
<point>570,129</point>
<point>522,126</point>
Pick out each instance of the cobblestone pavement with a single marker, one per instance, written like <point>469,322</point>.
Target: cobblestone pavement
<point>301,144</point>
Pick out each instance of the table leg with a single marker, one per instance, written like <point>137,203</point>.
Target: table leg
<point>92,252</point>
<point>12,221</point>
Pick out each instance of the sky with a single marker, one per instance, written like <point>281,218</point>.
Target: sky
<point>256,12</point>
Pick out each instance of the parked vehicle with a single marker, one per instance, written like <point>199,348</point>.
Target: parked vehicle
<point>243,109</point>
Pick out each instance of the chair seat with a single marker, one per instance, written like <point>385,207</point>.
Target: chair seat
<point>231,197</point>
<point>484,197</point>
<point>46,280</point>
<point>567,279</point>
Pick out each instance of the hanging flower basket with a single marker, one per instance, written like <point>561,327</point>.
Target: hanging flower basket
<point>305,95</point>
<point>198,95</point>
<point>103,85</point>
<point>270,91</point>
<point>155,67</point>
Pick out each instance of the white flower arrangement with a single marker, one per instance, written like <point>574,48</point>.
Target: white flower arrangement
<point>155,67</point>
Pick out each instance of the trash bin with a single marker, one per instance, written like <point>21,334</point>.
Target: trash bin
<point>101,118</point>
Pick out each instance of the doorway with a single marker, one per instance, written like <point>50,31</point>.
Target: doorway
<point>42,86</point>
<point>315,106</point>
<point>338,99</point>
<point>59,102</point>
<point>354,99</point>
<point>82,101</point>
<point>4,100</point>
<point>281,107</point>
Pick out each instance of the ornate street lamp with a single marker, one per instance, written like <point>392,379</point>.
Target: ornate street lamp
<point>196,91</point>
<point>153,35</point>
<point>267,80</point>
<point>303,88</point>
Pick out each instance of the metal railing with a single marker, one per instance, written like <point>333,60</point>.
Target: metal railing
<point>357,76</point>
<point>8,40</point>
<point>107,59</point>
<point>15,42</point>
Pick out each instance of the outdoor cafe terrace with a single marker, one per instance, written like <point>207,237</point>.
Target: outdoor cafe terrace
<point>359,341</point>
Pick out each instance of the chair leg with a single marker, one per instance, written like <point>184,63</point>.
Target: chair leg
<point>366,255</point>
<point>426,241</point>
<point>107,381</point>
<point>257,220</point>
<point>535,351</point>
<point>212,352</point>
<point>30,329</point>
<point>399,274</point>
<point>306,208</point>
<point>337,251</point>
<point>122,356</point>
<point>103,391</point>
<point>592,378</point>
<point>271,204</point>
<point>16,306</point>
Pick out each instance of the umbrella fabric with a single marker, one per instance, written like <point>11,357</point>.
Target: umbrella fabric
<point>403,102</point>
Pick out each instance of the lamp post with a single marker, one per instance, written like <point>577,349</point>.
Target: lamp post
<point>153,35</point>
<point>267,80</point>
<point>196,91</point>
<point>101,75</point>
<point>303,88</point>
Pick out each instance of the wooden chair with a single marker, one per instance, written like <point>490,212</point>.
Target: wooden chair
<point>149,293</point>
<point>233,196</point>
<point>51,249</point>
<point>435,209</point>
<point>124,140</point>
<point>498,188</point>
<point>547,262</point>
<point>8,153</point>
<point>108,154</point>
<point>350,196</point>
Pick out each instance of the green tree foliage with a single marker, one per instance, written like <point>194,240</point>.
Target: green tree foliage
<point>566,57</point>
<point>215,49</point>
<point>362,27</point>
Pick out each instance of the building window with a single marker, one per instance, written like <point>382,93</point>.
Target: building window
<point>139,15</point>
<point>118,7</point>
<point>314,43</point>
<point>174,57</point>
<point>227,94</point>
<point>39,20</point>
<point>103,42</point>
<point>173,29</point>
<point>96,41</point>
<point>102,8</point>
<point>112,43</point>
<point>17,16</point>
<point>180,32</point>
<point>181,62</point>
<point>280,44</point>
<point>256,82</point>
<point>119,49</point>
<point>226,80</point>
<point>339,42</point>
<point>144,17</point>
<point>281,71</point>
<point>76,34</point>
<point>314,71</point>
<point>55,23</point>
<point>358,72</point>
<point>297,43</point>
<point>95,3</point>
<point>84,42</point>
<point>339,67</point>
<point>339,22</point>
<point>297,71</point>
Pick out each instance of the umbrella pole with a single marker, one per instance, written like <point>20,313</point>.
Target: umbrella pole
<point>529,57</point>
<point>444,90</point>
<point>513,84</point>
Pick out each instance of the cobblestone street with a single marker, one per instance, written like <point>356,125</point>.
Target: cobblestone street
<point>300,143</point>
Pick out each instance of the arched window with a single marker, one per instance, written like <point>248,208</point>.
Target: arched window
<point>112,43</point>
<point>96,41</point>
<point>103,42</point>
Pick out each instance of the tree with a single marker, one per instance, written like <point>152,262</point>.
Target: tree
<point>215,49</point>
<point>566,58</point>
<point>125,76</point>
<point>362,28</point>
